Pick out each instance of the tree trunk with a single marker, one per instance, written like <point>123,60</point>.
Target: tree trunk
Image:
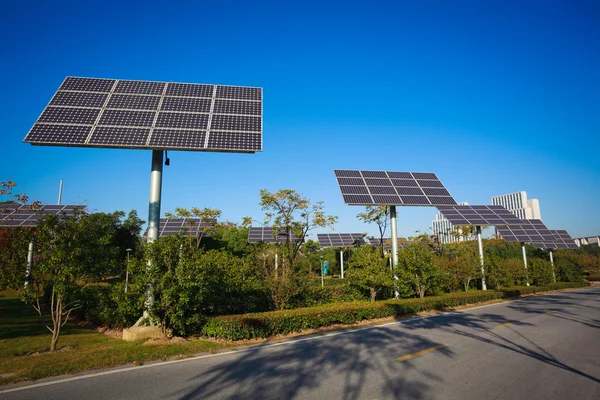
<point>421,291</point>
<point>373,294</point>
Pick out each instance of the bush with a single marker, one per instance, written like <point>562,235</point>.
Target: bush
<point>110,306</point>
<point>263,325</point>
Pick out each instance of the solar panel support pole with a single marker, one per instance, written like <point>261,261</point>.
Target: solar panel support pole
<point>342,262</point>
<point>480,247</point>
<point>525,262</point>
<point>154,215</point>
<point>59,192</point>
<point>552,262</point>
<point>394,228</point>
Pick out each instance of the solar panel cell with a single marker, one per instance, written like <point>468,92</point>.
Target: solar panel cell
<point>381,190</point>
<point>429,184</point>
<point>237,107</point>
<point>64,134</point>
<point>79,99</point>
<point>414,191</point>
<point>140,87</point>
<point>415,200</point>
<point>351,181</point>
<point>378,182</point>
<point>69,115</point>
<point>88,84</point>
<point>347,173</point>
<point>239,92</point>
<point>436,192</point>
<point>127,118</point>
<point>385,199</point>
<point>186,104</point>
<point>405,183</point>
<point>182,120</point>
<point>374,174</point>
<point>424,175</point>
<point>189,90</point>
<point>354,190</point>
<point>133,102</point>
<point>236,123</point>
<point>358,199</point>
<point>241,141</point>
<point>400,175</point>
<point>134,137</point>
<point>177,138</point>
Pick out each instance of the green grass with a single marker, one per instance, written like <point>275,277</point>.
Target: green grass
<point>24,344</point>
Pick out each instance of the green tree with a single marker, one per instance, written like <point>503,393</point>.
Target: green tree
<point>539,271</point>
<point>460,264</point>
<point>75,251</point>
<point>367,271</point>
<point>417,260</point>
<point>380,215</point>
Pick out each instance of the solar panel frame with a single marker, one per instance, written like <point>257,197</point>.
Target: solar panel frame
<point>230,116</point>
<point>258,234</point>
<point>340,239</point>
<point>28,215</point>
<point>464,215</point>
<point>188,227</point>
<point>530,231</point>
<point>391,188</point>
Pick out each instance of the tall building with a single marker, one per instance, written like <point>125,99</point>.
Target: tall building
<point>518,204</point>
<point>445,231</point>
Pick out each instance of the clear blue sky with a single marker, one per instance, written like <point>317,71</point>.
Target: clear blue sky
<point>492,96</point>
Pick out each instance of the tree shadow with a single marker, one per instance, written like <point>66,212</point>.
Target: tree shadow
<point>305,365</point>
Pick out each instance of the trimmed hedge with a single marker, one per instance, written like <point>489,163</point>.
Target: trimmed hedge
<point>264,325</point>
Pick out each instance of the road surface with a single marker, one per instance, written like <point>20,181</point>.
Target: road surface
<point>542,347</point>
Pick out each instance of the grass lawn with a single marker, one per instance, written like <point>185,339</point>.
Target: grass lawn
<point>24,344</point>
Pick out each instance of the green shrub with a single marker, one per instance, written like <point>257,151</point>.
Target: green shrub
<point>110,306</point>
<point>263,325</point>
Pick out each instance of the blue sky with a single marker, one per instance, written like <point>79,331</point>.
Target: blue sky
<point>493,96</point>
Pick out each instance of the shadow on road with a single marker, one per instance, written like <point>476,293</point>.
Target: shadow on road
<point>353,358</point>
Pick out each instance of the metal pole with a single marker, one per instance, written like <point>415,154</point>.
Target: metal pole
<point>127,271</point>
<point>322,279</point>
<point>552,262</point>
<point>60,192</point>
<point>525,262</point>
<point>154,215</point>
<point>342,261</point>
<point>29,264</point>
<point>481,262</point>
<point>394,229</point>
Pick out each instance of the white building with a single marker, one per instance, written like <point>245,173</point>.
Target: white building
<point>445,231</point>
<point>518,204</point>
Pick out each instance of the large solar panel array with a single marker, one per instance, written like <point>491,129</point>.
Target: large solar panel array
<point>479,215</point>
<point>191,227</point>
<point>92,112</point>
<point>392,188</point>
<point>268,235</point>
<point>15,215</point>
<point>529,231</point>
<point>340,239</point>
<point>562,240</point>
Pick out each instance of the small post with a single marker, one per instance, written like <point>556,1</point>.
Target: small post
<point>29,264</point>
<point>525,262</point>
<point>342,262</point>
<point>322,278</point>
<point>481,261</point>
<point>394,229</point>
<point>60,192</point>
<point>552,262</point>
<point>127,270</point>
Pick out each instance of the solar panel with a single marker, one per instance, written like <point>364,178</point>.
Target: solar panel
<point>392,188</point>
<point>14,215</point>
<point>529,231</point>
<point>387,242</point>
<point>268,235</point>
<point>92,112</point>
<point>563,240</point>
<point>189,227</point>
<point>340,239</point>
<point>462,215</point>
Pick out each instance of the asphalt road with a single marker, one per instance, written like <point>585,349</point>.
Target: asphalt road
<point>543,347</point>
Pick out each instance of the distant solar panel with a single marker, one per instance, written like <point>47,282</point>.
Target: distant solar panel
<point>92,112</point>
<point>15,215</point>
<point>479,215</point>
<point>531,231</point>
<point>191,227</point>
<point>269,235</point>
<point>387,242</point>
<point>392,188</point>
<point>562,241</point>
<point>340,239</point>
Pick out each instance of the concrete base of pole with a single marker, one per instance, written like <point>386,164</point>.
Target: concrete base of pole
<point>143,332</point>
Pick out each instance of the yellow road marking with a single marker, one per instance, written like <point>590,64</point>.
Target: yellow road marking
<point>505,324</point>
<point>549,312</point>
<point>420,353</point>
